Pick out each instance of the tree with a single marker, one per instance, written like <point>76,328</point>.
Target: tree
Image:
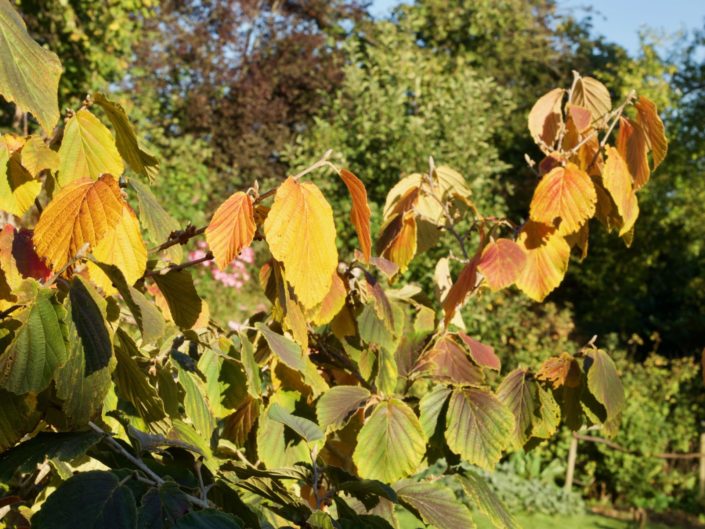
<point>342,391</point>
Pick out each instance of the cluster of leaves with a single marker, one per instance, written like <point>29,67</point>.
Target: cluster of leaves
<point>122,400</point>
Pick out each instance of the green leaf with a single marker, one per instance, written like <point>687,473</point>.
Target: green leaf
<point>518,392</point>
<point>181,296</point>
<point>162,507</point>
<point>274,447</point>
<point>87,150</point>
<point>89,319</point>
<point>155,219</point>
<point>132,384</point>
<point>196,404</point>
<point>387,372</point>
<point>38,347</point>
<point>320,520</point>
<point>487,501</point>
<point>430,408</point>
<point>18,416</point>
<point>62,446</point>
<point>373,330</point>
<point>18,188</point>
<point>436,503</point>
<point>247,357</point>
<point>336,405</point>
<point>478,427</point>
<point>29,74</point>
<point>207,519</point>
<point>140,161</point>
<point>603,382</point>
<point>307,429</point>
<point>89,500</point>
<point>391,444</point>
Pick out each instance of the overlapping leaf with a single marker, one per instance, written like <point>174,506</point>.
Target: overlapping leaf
<point>231,229</point>
<point>436,503</point>
<point>360,212</point>
<point>593,95</point>
<point>18,188</point>
<point>501,263</point>
<point>547,260</point>
<point>618,182</point>
<point>337,404</point>
<point>546,117</point>
<point>653,127</point>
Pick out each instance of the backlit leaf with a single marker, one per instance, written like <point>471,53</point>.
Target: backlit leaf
<point>140,161</point>
<point>275,448</point>
<point>436,503</point>
<point>632,145</point>
<point>391,443</point>
<point>29,73</point>
<point>482,354</point>
<point>360,212</point>
<point>36,156</point>
<point>501,263</point>
<point>603,381</point>
<point>158,223</point>
<point>518,392</point>
<point>567,196</point>
<point>593,95</point>
<point>83,212</point>
<point>87,150</point>
<point>547,260</point>
<point>18,188</point>
<point>652,125</point>
<point>487,501</point>
<point>231,229</point>
<point>546,117</point>
<point>402,248</point>
<point>308,430</point>
<point>478,427</point>
<point>560,371</point>
<point>332,303</point>
<point>430,408</point>
<point>301,234</point>
<point>618,182</point>
<point>466,283</point>
<point>182,299</point>
<point>336,405</point>
<point>448,361</point>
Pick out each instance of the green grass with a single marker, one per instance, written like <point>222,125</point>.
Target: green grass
<point>542,521</point>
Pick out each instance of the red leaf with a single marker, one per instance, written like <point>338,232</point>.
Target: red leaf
<point>501,263</point>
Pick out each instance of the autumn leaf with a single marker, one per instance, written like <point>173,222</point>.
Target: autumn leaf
<point>618,182</point>
<point>466,282</point>
<point>301,234</point>
<point>402,247</point>
<point>594,96</point>
<point>546,117</point>
<point>501,263</point>
<point>547,255</point>
<point>83,212</point>
<point>567,195</point>
<point>360,212</point>
<point>231,229</point>
<point>580,116</point>
<point>653,127</point>
<point>18,188</point>
<point>560,371</point>
<point>633,147</point>
<point>332,303</point>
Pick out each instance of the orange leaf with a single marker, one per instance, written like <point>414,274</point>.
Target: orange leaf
<point>301,234</point>
<point>566,194</point>
<point>560,371</point>
<point>546,118</point>
<point>467,279</point>
<point>632,145</point>
<point>653,127</point>
<point>482,354</point>
<point>231,229</point>
<point>360,212</point>
<point>581,117</point>
<point>402,248</point>
<point>82,212</point>
<point>501,263</point>
<point>547,260</point>
<point>332,303</point>
<point>618,182</point>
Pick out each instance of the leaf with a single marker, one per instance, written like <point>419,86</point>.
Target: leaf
<point>336,406</point>
<point>519,394</point>
<point>580,117</point>
<point>546,117</point>
<point>18,416</point>
<point>140,161</point>
<point>197,407</point>
<point>38,347</point>
<point>83,212</point>
<point>391,443</point>
<point>29,73</point>
<point>402,246</point>
<point>430,408</point>
<point>184,303</point>
<point>464,285</point>
<point>18,188</point>
<point>501,263</point>
<point>285,349</point>
<point>274,448</point>
<point>156,220</point>
<point>332,304</point>
<point>87,150</point>
<point>448,362</point>
<point>90,325</point>
<point>478,427</point>
<point>436,503</point>
<point>653,127</point>
<point>207,519</point>
<point>482,354</point>
<point>122,247</point>
<point>593,95</point>
<point>308,430</point>
<point>162,506</point>
<point>566,195</point>
<point>249,364</point>
<point>90,500</point>
<point>487,501</point>
<point>231,229</point>
<point>36,156</point>
<point>360,212</point>
<point>301,234</point>
<point>560,371</point>
<point>604,383</point>
<point>632,144</point>
<point>237,425</point>
<point>547,260</point>
<point>618,182</point>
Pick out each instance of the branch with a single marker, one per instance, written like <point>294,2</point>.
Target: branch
<point>176,268</point>
<point>179,237</point>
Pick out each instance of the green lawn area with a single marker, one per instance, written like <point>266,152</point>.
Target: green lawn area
<point>542,521</point>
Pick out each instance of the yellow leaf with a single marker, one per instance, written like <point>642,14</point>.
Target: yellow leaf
<point>618,182</point>
<point>231,229</point>
<point>332,303</point>
<point>360,212</point>
<point>123,247</point>
<point>18,188</point>
<point>36,156</point>
<point>501,263</point>
<point>83,212</point>
<point>87,150</point>
<point>547,255</point>
<point>653,127</point>
<point>546,117</point>
<point>593,95</point>
<point>402,247</point>
<point>566,194</point>
<point>301,234</point>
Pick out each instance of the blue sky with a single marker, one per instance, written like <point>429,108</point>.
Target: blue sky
<point>621,20</point>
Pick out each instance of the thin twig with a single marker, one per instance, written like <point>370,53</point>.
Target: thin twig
<point>176,268</point>
<point>320,163</point>
<point>179,237</point>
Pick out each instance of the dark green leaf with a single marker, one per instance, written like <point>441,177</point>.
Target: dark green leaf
<point>181,296</point>
<point>90,326</point>
<point>162,507</point>
<point>207,519</point>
